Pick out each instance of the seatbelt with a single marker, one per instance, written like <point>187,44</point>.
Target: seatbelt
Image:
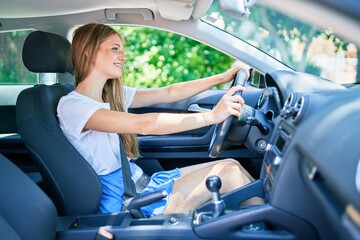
<point>132,202</point>
<point>129,185</point>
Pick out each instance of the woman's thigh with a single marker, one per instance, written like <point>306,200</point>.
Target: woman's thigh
<point>189,191</point>
<point>186,170</point>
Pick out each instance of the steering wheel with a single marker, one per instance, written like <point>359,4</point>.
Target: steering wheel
<point>222,129</point>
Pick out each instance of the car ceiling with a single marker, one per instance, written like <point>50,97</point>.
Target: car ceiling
<point>58,16</point>
<point>170,9</point>
<point>41,8</point>
<point>342,16</point>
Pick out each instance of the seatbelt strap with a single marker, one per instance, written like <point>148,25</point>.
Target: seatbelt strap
<point>129,185</point>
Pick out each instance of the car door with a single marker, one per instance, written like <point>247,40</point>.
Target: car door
<point>11,144</point>
<point>159,152</point>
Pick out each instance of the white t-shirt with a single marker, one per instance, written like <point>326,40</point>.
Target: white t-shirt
<point>100,149</point>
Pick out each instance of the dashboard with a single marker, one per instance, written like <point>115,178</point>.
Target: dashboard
<point>311,164</point>
<point>310,171</point>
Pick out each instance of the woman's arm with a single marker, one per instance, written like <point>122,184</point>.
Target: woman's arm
<point>164,123</point>
<point>180,91</point>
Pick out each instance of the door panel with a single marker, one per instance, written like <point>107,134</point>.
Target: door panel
<point>190,147</point>
<point>11,145</point>
<point>7,119</point>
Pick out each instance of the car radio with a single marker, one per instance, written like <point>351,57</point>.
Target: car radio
<point>274,155</point>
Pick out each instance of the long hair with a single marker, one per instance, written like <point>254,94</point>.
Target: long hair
<point>85,45</point>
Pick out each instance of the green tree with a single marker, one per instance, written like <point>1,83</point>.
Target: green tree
<point>157,58</point>
<point>12,69</point>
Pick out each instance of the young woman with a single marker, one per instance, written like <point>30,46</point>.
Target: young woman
<point>93,114</point>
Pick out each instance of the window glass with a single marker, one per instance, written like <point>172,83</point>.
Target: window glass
<point>299,45</point>
<point>156,58</point>
<point>12,69</point>
<point>14,76</point>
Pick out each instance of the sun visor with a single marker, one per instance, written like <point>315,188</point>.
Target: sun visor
<point>178,10</point>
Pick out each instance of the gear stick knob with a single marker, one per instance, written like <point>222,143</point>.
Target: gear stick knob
<point>213,184</point>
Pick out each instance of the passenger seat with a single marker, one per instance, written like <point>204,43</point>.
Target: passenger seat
<point>25,211</point>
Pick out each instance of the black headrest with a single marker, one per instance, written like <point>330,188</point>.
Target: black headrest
<point>46,52</point>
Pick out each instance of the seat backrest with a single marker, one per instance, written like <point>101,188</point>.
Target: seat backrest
<point>71,182</point>
<point>25,211</point>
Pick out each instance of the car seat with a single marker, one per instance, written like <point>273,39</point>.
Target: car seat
<point>70,181</point>
<point>25,211</point>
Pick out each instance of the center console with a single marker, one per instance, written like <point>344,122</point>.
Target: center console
<point>275,155</point>
<point>123,226</point>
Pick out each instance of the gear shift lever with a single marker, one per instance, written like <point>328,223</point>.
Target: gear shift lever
<point>213,184</point>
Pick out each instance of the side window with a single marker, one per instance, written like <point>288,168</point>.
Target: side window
<point>14,76</point>
<point>155,58</point>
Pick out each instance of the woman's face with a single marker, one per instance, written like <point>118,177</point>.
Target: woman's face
<point>110,57</point>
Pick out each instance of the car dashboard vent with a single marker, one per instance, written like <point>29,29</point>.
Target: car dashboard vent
<point>289,101</point>
<point>298,110</point>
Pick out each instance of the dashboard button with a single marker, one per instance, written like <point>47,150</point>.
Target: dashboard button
<point>277,160</point>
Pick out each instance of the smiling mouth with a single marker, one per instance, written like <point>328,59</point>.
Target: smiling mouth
<point>119,65</point>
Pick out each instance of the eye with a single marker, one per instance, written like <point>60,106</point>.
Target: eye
<point>115,49</point>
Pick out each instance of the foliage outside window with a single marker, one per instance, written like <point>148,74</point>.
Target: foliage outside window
<point>157,58</point>
<point>12,69</point>
<point>14,76</point>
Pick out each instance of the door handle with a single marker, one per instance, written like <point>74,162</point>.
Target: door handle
<point>196,108</point>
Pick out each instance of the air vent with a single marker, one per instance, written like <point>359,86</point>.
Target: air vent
<point>298,110</point>
<point>289,101</point>
<point>288,108</point>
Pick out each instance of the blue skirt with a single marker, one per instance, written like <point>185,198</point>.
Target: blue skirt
<point>113,189</point>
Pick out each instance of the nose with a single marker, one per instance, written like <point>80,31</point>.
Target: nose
<point>122,56</point>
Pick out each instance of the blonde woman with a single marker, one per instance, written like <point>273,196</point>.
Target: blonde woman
<point>94,113</point>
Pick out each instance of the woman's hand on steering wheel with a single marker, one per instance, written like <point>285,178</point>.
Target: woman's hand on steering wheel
<point>230,74</point>
<point>228,105</point>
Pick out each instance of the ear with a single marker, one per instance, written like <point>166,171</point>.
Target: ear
<point>87,53</point>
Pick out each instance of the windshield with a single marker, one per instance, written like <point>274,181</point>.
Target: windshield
<point>303,47</point>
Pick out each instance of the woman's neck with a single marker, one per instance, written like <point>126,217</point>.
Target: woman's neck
<point>91,88</point>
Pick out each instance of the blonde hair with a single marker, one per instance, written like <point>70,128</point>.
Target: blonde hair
<point>85,45</point>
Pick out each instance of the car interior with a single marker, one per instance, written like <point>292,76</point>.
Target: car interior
<point>297,136</point>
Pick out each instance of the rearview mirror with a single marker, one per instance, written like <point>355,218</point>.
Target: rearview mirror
<point>238,9</point>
